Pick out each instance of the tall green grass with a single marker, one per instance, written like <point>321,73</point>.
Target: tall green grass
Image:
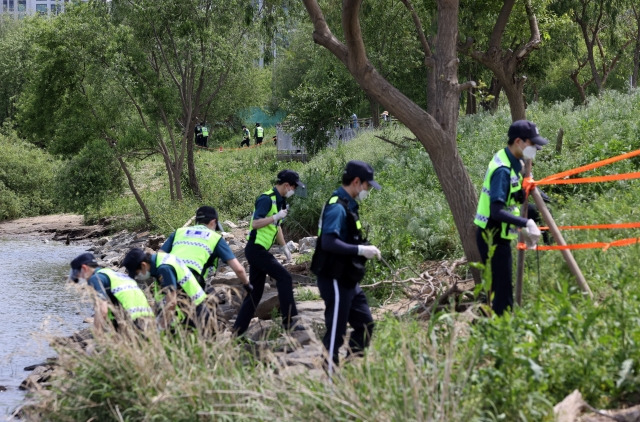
<point>511,368</point>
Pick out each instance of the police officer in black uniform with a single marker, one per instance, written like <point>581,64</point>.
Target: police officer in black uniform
<point>339,262</point>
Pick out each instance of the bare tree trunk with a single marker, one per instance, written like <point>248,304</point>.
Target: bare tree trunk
<point>579,86</point>
<point>437,132</point>
<point>515,95</point>
<point>505,63</point>
<point>125,169</point>
<point>374,108</point>
<point>472,104</point>
<point>191,167</point>
<point>636,51</point>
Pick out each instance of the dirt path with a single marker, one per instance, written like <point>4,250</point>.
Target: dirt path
<point>56,227</point>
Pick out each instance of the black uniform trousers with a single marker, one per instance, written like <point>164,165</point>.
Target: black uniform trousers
<point>261,263</point>
<point>501,272</point>
<point>345,305</point>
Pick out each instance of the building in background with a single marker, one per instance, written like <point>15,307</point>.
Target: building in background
<point>22,8</point>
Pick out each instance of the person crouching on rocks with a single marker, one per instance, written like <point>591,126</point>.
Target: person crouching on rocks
<point>179,296</point>
<point>114,291</point>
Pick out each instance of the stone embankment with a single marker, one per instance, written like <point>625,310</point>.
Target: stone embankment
<point>295,351</point>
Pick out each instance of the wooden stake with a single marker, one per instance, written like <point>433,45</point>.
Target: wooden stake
<point>524,210</point>
<point>557,235</point>
<point>189,221</point>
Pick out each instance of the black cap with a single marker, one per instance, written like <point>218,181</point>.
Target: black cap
<point>524,129</point>
<point>132,261</point>
<point>362,170</point>
<point>290,177</point>
<point>205,214</point>
<point>86,258</point>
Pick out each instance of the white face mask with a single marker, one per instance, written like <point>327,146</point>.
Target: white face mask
<point>362,195</point>
<point>289,193</point>
<point>143,277</point>
<point>529,153</point>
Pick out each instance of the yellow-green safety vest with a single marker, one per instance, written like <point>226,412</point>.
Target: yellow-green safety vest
<point>507,231</point>
<point>334,200</point>
<point>194,245</point>
<point>266,235</point>
<point>128,294</point>
<point>205,131</point>
<point>259,131</point>
<point>186,280</point>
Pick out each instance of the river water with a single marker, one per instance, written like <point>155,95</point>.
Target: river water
<point>36,303</point>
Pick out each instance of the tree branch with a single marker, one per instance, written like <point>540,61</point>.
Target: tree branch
<point>534,40</point>
<point>322,34</point>
<point>428,59</point>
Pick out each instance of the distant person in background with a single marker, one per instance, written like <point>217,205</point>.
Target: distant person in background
<point>385,117</point>
<point>246,137</point>
<point>354,121</point>
<point>198,133</point>
<point>114,290</point>
<point>258,133</point>
<point>275,140</point>
<point>205,134</point>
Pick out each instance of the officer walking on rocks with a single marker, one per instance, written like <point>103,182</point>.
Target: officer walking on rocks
<point>270,209</point>
<point>339,262</point>
<point>200,247</point>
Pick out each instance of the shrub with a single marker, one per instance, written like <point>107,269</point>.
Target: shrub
<point>89,178</point>
<point>26,175</point>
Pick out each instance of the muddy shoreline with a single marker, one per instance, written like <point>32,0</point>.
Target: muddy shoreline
<point>58,227</point>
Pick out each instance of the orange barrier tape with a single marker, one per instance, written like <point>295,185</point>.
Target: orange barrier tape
<point>593,245</point>
<point>590,166</point>
<point>593,179</point>
<point>598,226</point>
<point>528,184</point>
<point>220,149</point>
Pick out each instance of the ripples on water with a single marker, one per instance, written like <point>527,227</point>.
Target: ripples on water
<point>35,303</point>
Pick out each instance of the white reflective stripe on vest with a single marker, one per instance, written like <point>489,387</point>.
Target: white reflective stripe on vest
<point>191,243</point>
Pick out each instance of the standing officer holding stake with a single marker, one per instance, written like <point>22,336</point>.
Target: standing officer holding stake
<point>270,209</point>
<point>339,262</point>
<point>498,214</point>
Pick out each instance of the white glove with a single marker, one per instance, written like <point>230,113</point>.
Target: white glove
<point>369,251</point>
<point>280,215</point>
<point>287,252</point>
<point>531,234</point>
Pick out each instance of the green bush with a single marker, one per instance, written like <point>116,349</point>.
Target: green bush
<point>26,178</point>
<point>89,179</point>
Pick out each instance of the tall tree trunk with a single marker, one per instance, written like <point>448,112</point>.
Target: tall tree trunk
<point>515,95</point>
<point>590,44</point>
<point>472,104</point>
<point>191,167</point>
<point>136,195</point>
<point>437,132</point>
<point>505,63</point>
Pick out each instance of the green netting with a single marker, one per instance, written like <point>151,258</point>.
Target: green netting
<point>252,115</point>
